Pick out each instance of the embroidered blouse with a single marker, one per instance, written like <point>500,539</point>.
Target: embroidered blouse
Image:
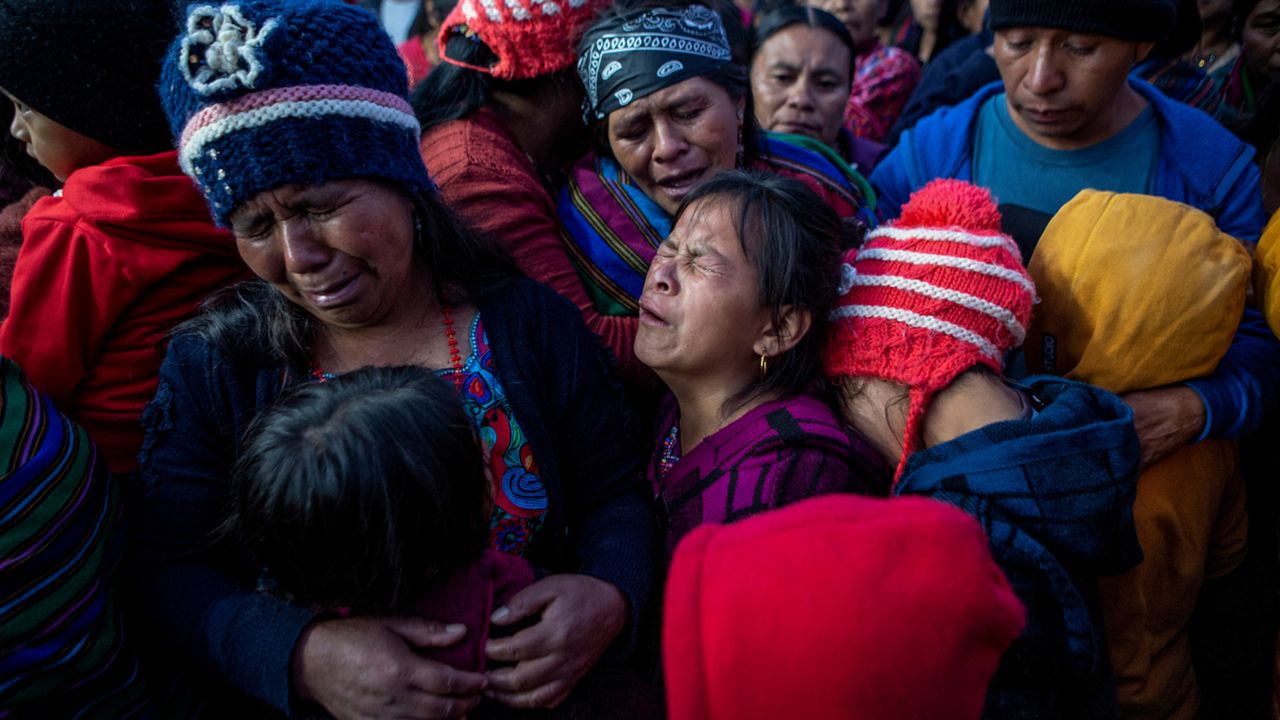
<point>520,498</point>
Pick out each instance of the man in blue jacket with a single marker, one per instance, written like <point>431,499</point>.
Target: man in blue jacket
<point>1067,116</point>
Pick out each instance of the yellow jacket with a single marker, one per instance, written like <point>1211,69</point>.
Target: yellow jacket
<point>1265,267</point>
<point>1138,292</point>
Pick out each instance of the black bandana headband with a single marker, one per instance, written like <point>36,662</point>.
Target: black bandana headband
<point>640,53</point>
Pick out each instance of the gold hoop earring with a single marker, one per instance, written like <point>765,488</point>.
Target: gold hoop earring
<point>764,367</point>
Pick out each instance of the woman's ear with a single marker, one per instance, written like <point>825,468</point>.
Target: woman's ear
<point>785,334</point>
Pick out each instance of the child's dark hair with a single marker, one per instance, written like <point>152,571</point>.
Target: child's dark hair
<point>361,491</point>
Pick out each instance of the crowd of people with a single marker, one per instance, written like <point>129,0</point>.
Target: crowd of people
<point>639,358</point>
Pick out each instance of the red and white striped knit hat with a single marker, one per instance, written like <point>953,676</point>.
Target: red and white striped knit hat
<point>929,296</point>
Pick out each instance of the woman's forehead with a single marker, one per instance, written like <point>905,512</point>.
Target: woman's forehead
<point>674,96</point>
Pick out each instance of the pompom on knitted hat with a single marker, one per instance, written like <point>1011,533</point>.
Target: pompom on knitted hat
<point>266,93</point>
<point>929,296</point>
<point>530,38</point>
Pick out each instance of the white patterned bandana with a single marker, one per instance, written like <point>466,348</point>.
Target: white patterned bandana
<point>629,57</point>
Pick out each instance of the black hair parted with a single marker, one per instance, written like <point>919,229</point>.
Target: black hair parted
<point>781,18</point>
<point>794,240</point>
<point>361,492</point>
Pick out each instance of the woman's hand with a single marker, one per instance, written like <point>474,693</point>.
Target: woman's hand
<point>580,616</point>
<point>365,668</point>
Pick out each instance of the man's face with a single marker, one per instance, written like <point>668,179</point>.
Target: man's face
<point>1063,87</point>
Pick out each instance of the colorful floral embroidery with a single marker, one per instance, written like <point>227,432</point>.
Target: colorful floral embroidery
<point>520,498</point>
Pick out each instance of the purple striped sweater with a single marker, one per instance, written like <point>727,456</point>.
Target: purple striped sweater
<point>778,453</point>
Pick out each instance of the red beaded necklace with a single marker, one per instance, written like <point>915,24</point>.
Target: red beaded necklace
<point>455,354</point>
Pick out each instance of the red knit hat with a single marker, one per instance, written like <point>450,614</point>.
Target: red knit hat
<point>836,607</point>
<point>929,296</point>
<point>530,37</point>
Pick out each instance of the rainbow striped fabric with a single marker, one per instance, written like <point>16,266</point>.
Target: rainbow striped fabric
<point>62,652</point>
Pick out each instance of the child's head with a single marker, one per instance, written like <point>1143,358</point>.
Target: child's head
<point>82,78</point>
<point>928,297</point>
<point>360,491</point>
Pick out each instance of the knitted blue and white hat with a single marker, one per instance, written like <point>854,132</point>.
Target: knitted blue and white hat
<point>265,93</point>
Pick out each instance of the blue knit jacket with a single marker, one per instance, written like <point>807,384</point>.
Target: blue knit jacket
<point>1055,496</point>
<point>198,594</point>
<point>1200,164</point>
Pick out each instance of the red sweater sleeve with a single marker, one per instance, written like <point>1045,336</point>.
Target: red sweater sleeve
<point>492,186</point>
<point>67,292</point>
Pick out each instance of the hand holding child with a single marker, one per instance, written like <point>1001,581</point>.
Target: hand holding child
<point>365,668</point>
<point>580,616</point>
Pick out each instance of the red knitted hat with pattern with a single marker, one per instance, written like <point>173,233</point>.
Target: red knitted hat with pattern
<point>529,37</point>
<point>929,296</point>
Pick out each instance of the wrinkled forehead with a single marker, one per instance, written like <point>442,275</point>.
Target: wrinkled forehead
<point>694,92</point>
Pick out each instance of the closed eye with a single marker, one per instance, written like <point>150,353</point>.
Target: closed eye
<point>252,228</point>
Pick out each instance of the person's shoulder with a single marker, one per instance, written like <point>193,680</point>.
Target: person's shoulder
<point>129,186</point>
<point>1183,121</point>
<point>898,59</point>
<point>475,143</point>
<point>521,297</point>
<point>938,144</point>
<point>1213,167</point>
<point>798,438</point>
<point>948,117</point>
<point>802,420</point>
<point>947,130</point>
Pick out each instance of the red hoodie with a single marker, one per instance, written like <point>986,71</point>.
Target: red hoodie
<point>105,271</point>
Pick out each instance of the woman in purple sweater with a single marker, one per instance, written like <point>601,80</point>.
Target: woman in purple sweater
<point>732,318</point>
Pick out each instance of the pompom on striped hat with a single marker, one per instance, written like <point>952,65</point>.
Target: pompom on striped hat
<point>929,296</point>
<point>265,93</point>
<point>529,38</point>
